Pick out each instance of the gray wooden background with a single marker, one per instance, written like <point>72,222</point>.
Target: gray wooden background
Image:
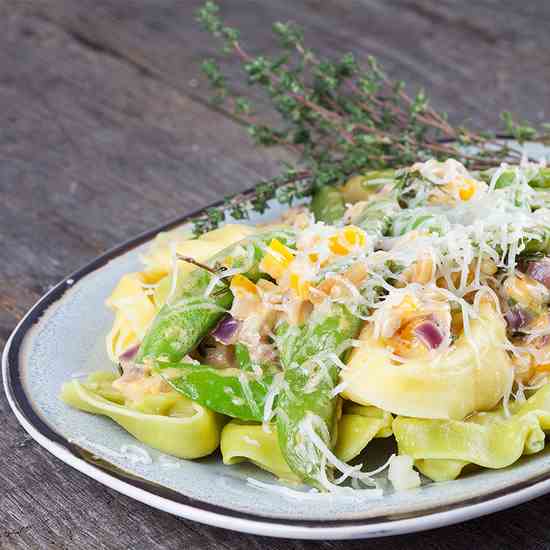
<point>105,131</point>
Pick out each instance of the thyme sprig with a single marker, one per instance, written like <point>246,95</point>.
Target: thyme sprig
<point>338,117</point>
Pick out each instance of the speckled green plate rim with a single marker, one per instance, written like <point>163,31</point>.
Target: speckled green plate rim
<point>181,505</point>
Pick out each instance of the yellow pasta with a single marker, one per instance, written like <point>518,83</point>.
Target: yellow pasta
<point>138,296</point>
<point>452,386</point>
<point>170,423</point>
<point>442,448</point>
<point>158,260</point>
<point>134,311</point>
<point>358,428</point>
<point>242,442</point>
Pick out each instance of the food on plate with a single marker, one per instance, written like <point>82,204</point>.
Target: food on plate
<point>409,305</point>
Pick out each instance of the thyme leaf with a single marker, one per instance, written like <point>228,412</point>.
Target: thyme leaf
<point>338,116</point>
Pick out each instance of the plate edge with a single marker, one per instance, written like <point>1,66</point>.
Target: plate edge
<point>307,529</point>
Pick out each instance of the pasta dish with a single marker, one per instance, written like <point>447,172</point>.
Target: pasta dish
<point>409,304</point>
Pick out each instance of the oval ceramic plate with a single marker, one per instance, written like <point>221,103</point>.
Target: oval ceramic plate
<point>64,333</point>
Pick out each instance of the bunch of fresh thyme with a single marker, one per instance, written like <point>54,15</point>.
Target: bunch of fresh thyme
<point>340,118</point>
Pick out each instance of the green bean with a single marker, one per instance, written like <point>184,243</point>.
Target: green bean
<point>307,390</point>
<point>328,204</point>
<point>418,219</point>
<point>245,363</point>
<point>363,186</point>
<point>227,391</point>
<point>538,246</point>
<point>377,215</point>
<point>190,315</point>
<point>541,180</point>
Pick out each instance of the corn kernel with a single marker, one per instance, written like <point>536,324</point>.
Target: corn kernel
<point>277,248</point>
<point>277,259</point>
<point>354,235</point>
<point>344,241</point>
<point>336,247</point>
<point>467,190</point>
<point>313,258</point>
<point>239,283</point>
<point>408,305</point>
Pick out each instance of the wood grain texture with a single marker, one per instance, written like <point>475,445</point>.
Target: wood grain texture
<point>105,132</point>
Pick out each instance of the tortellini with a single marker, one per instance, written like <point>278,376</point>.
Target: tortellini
<point>244,441</point>
<point>134,311</point>
<point>168,422</point>
<point>473,375</point>
<point>442,448</point>
<point>358,426</point>
<point>138,296</point>
<point>158,260</point>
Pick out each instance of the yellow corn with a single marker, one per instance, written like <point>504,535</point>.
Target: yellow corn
<point>406,344</point>
<point>313,258</point>
<point>467,189</point>
<point>277,259</point>
<point>241,284</point>
<point>345,240</point>
<point>407,305</point>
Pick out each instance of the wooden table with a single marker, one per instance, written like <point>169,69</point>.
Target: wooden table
<point>105,131</point>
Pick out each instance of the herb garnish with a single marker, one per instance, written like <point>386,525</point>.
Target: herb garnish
<point>339,117</point>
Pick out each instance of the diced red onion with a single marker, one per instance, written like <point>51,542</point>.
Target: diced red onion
<point>129,354</point>
<point>226,330</point>
<point>430,334</point>
<point>517,318</point>
<point>540,271</point>
<point>126,359</point>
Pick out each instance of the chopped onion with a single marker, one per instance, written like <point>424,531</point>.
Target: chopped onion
<point>402,474</point>
<point>540,271</point>
<point>430,334</point>
<point>226,330</point>
<point>129,354</point>
<point>126,359</point>
<point>517,318</point>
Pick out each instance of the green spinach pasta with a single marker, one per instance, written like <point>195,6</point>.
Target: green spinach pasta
<point>409,305</point>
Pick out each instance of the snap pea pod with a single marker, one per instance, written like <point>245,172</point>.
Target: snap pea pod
<point>436,222</point>
<point>190,315</point>
<point>363,186</point>
<point>377,216</point>
<point>540,179</point>
<point>242,355</point>
<point>419,219</point>
<point>539,246</point>
<point>245,363</point>
<point>227,391</point>
<point>328,204</point>
<point>306,394</point>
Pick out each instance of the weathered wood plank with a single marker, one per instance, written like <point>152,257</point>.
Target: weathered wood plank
<point>471,58</point>
<point>90,139</point>
<point>106,132</point>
